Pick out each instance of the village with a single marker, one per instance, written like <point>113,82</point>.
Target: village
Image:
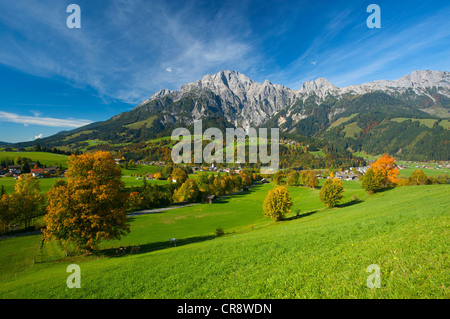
<point>45,172</point>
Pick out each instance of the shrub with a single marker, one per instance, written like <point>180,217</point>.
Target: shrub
<point>219,231</point>
<point>403,182</point>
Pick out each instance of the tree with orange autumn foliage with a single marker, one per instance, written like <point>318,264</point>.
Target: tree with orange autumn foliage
<point>386,166</point>
<point>90,206</point>
<point>381,174</point>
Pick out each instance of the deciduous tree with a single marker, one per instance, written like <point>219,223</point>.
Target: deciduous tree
<point>418,177</point>
<point>277,203</point>
<point>372,181</point>
<point>179,176</point>
<point>27,201</point>
<point>388,169</point>
<point>331,192</point>
<point>135,201</point>
<point>188,192</point>
<point>292,178</point>
<point>313,182</point>
<point>278,177</point>
<point>90,206</point>
<point>6,216</point>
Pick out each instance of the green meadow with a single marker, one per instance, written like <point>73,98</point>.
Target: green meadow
<point>48,159</point>
<point>406,172</point>
<point>319,253</point>
<point>45,184</point>
<point>131,177</point>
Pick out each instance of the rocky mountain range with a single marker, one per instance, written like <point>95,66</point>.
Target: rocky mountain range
<point>354,117</point>
<point>244,102</point>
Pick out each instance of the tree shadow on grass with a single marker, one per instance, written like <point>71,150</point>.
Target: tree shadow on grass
<point>384,189</point>
<point>350,203</point>
<point>297,216</point>
<point>149,247</point>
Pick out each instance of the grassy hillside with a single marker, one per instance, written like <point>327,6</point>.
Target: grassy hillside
<point>48,159</point>
<point>45,184</point>
<point>322,254</point>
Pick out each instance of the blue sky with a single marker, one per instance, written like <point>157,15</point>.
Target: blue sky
<point>53,78</point>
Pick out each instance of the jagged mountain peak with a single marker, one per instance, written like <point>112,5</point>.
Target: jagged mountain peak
<point>319,84</point>
<point>320,87</point>
<point>222,80</point>
<point>417,80</point>
<point>426,78</point>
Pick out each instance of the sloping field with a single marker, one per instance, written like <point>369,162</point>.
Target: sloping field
<point>323,253</point>
<point>45,158</point>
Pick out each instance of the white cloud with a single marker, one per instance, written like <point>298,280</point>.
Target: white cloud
<point>38,136</point>
<point>42,121</point>
<point>128,68</point>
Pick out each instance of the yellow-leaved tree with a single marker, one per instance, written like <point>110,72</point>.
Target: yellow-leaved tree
<point>188,192</point>
<point>277,203</point>
<point>27,201</point>
<point>90,206</point>
<point>179,176</point>
<point>331,192</point>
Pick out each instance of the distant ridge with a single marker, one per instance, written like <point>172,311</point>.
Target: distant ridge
<point>378,116</point>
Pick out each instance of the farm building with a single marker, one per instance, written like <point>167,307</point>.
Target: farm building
<point>39,172</point>
<point>14,169</point>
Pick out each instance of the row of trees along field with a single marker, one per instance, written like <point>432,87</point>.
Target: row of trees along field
<point>188,190</point>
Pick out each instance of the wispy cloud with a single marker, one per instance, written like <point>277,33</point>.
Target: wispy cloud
<point>125,50</point>
<point>129,49</point>
<point>42,121</point>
